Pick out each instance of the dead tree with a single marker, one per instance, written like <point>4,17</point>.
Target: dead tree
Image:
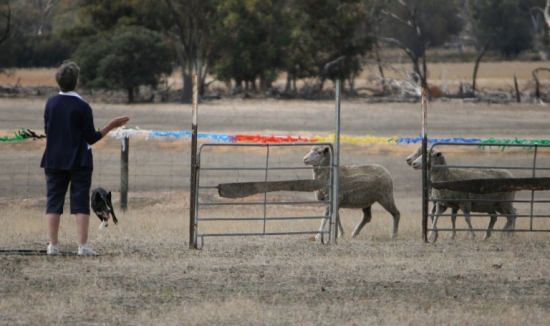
<point>45,7</point>
<point>540,22</point>
<point>537,83</point>
<point>476,66</point>
<point>418,59</point>
<point>545,12</point>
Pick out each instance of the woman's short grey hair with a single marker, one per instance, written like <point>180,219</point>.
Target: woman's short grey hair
<point>67,76</point>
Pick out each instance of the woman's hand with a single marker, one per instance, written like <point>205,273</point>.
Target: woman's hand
<point>115,123</point>
<point>119,121</point>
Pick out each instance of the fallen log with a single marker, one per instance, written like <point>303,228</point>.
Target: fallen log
<point>245,189</point>
<point>485,186</point>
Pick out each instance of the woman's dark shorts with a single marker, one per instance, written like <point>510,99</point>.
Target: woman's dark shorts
<point>57,182</point>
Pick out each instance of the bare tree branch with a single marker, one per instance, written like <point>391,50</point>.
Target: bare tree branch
<point>394,16</point>
<point>45,7</point>
<point>413,25</point>
<point>409,52</point>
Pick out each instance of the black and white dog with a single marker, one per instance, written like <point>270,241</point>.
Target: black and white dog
<point>102,206</point>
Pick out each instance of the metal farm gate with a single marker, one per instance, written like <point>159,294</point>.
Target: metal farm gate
<point>257,200</point>
<point>530,165</point>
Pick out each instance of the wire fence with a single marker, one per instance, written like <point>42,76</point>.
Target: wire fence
<point>154,165</point>
<point>530,207</point>
<point>160,167</point>
<point>162,164</point>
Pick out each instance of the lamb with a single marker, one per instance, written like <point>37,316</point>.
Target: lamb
<point>495,202</point>
<point>360,186</point>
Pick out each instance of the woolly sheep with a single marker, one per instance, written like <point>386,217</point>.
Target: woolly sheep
<point>360,186</point>
<point>473,173</point>
<point>434,194</point>
<point>488,203</point>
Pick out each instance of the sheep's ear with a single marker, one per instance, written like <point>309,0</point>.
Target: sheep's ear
<point>437,154</point>
<point>326,150</point>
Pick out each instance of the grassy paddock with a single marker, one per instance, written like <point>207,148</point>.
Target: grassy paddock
<point>147,275</point>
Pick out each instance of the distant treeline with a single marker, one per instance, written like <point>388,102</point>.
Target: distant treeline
<point>251,42</point>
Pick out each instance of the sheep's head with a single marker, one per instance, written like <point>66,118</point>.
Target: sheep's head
<point>410,159</point>
<point>436,157</point>
<point>318,155</point>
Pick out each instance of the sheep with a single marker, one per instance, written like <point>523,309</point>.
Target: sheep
<point>495,202</point>
<point>360,186</point>
<point>475,173</point>
<point>434,194</point>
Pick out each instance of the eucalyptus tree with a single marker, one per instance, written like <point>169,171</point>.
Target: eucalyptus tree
<point>538,13</point>
<point>100,16</point>
<point>189,24</point>
<point>5,18</point>
<point>416,25</point>
<point>328,39</point>
<point>252,40</point>
<point>125,58</point>
<point>5,29</point>
<point>505,23</point>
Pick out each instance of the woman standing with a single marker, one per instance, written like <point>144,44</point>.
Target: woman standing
<point>67,159</point>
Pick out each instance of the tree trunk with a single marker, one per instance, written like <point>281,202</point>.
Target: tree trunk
<point>7,30</point>
<point>476,66</point>
<point>187,92</point>
<point>130,94</point>
<point>424,76</point>
<point>288,81</point>
<point>518,96</point>
<point>228,86</point>
<point>263,84</point>
<point>202,78</point>
<point>380,68</point>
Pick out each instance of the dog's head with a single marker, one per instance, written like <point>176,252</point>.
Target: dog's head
<point>102,205</point>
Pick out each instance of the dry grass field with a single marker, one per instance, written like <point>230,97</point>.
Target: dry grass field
<point>147,275</point>
<point>494,75</point>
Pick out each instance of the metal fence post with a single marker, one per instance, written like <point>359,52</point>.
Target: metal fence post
<point>425,190</point>
<point>193,181</point>
<point>335,166</point>
<point>125,148</point>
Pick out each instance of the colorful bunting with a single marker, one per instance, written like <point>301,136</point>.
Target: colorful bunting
<point>123,132</point>
<point>22,135</point>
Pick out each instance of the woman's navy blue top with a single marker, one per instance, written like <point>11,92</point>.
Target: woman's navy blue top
<point>69,128</point>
